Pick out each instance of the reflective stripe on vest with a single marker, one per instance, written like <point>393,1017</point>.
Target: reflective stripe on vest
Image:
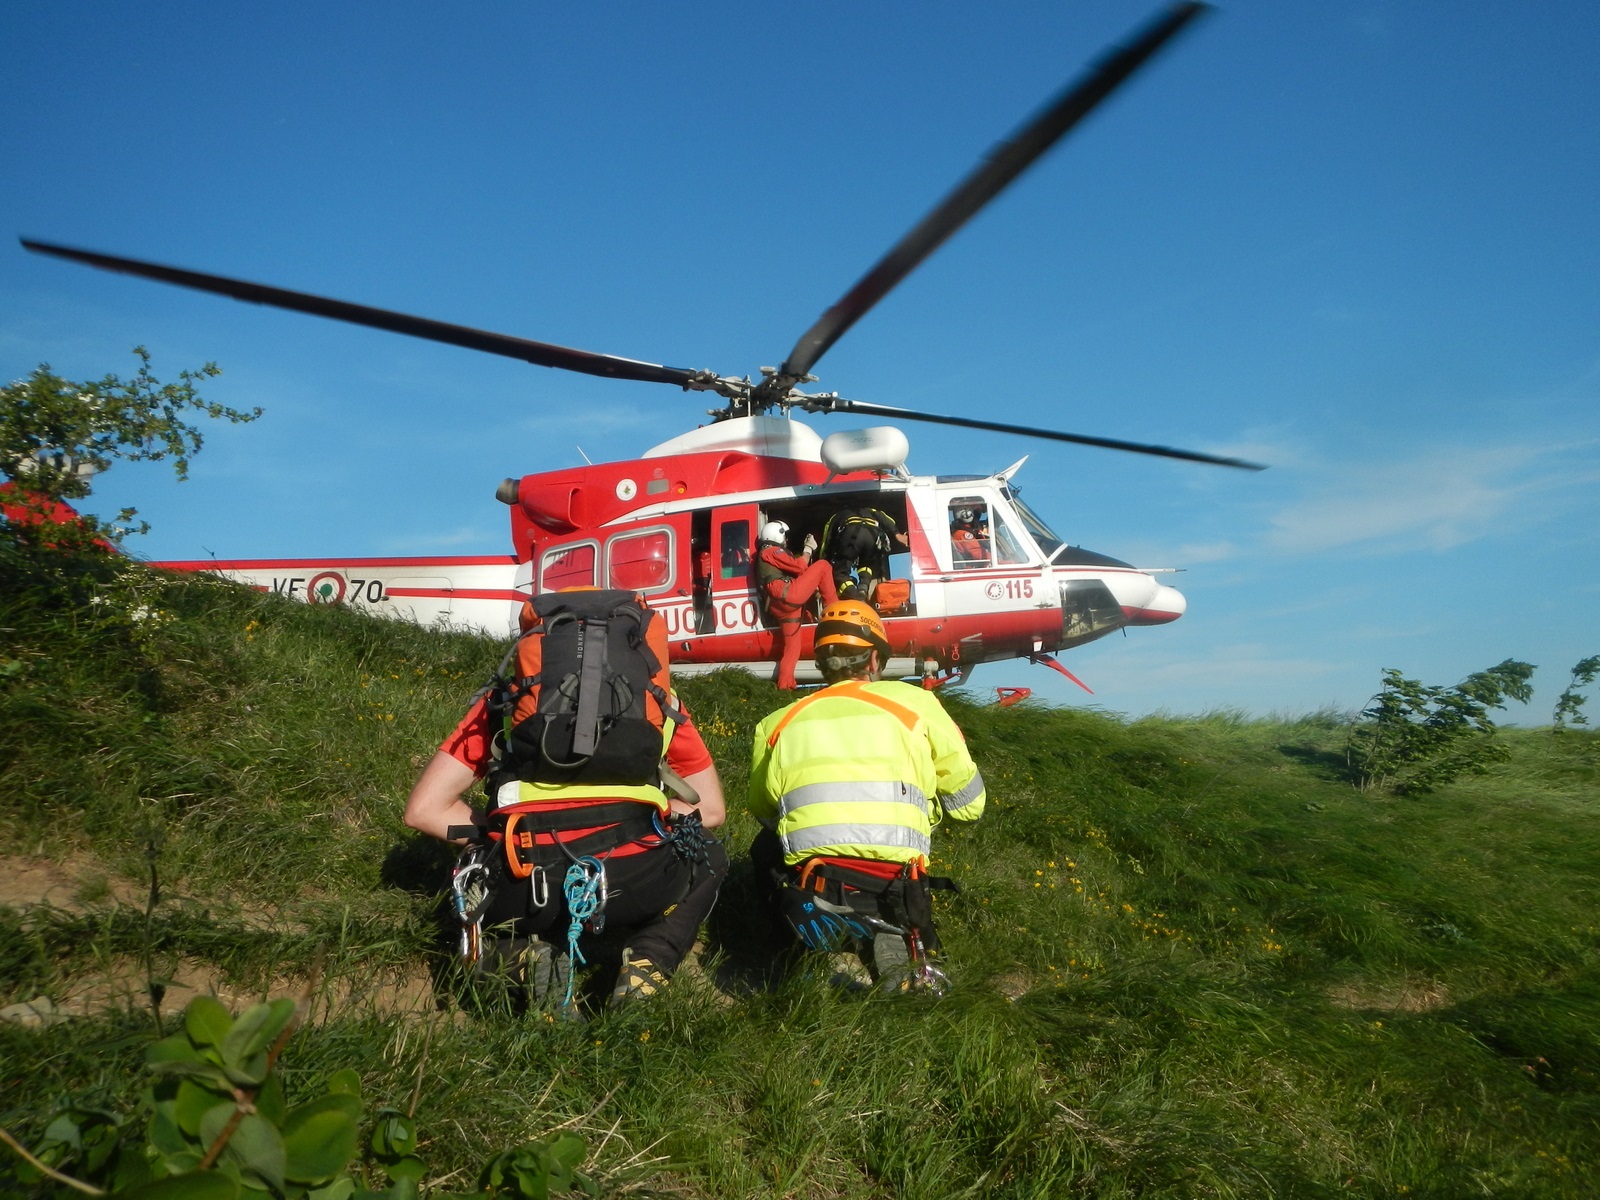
<point>956,801</point>
<point>851,840</point>
<point>886,792</point>
<point>901,808</point>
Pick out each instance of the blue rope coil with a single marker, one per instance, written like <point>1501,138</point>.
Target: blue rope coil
<point>585,890</point>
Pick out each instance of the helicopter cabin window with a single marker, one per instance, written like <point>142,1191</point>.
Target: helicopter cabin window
<point>1048,541</point>
<point>1009,549</point>
<point>977,540</point>
<point>969,532</point>
<point>734,553</point>
<point>640,562</point>
<point>568,566</point>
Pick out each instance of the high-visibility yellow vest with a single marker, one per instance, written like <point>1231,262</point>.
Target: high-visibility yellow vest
<point>862,770</point>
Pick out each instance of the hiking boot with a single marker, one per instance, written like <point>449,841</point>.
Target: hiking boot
<point>889,954</point>
<point>546,974</point>
<point>905,980</point>
<point>848,973</point>
<point>501,958</point>
<point>639,979</point>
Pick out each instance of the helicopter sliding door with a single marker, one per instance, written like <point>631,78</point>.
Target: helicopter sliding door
<point>731,586</point>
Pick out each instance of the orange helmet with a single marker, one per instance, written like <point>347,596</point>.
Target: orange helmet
<point>852,623</point>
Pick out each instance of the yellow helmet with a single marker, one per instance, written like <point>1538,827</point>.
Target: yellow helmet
<point>852,623</point>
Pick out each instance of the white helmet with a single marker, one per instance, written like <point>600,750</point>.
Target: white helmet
<point>774,533</point>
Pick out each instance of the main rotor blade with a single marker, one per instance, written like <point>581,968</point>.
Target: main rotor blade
<point>1004,163</point>
<point>906,414</point>
<point>541,354</point>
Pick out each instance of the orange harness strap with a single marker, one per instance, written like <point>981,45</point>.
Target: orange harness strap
<point>854,689</point>
<point>812,880</point>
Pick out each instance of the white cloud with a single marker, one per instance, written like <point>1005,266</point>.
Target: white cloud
<point>1442,500</point>
<point>1204,552</point>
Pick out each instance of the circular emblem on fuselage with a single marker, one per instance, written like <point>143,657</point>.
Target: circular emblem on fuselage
<point>627,489</point>
<point>995,591</point>
<point>326,588</point>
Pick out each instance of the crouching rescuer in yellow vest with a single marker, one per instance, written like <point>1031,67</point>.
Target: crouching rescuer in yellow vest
<point>848,784</point>
<point>576,737</point>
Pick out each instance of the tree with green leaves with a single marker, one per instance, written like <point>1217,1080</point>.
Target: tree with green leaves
<point>1413,737</point>
<point>1569,705</point>
<point>56,434</point>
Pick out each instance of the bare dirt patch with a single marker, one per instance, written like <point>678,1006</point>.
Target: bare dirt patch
<point>121,987</point>
<point>1405,995</point>
<point>78,885</point>
<point>74,884</point>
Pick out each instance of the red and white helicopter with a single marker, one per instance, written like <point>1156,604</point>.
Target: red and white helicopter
<point>680,523</point>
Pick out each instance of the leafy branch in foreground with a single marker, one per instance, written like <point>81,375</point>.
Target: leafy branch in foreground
<point>56,434</point>
<point>217,1126</point>
<point>1413,737</point>
<point>1569,705</point>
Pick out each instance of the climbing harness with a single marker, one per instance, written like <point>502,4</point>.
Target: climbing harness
<point>469,896</point>
<point>829,904</point>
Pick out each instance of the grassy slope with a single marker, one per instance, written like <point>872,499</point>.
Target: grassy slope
<point>1191,960</point>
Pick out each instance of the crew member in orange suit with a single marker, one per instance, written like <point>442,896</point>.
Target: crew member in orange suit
<point>788,583</point>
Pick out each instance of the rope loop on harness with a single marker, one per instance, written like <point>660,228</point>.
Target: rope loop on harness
<point>688,838</point>
<point>585,890</point>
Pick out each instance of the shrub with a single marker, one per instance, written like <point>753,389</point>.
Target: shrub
<point>1414,737</point>
<point>1569,704</point>
<point>215,1125</point>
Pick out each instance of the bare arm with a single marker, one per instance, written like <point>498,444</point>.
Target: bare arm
<point>435,802</point>
<point>713,809</point>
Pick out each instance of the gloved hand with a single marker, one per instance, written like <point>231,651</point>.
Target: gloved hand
<point>809,546</point>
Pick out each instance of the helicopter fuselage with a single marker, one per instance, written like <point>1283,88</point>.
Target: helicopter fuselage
<point>680,526</point>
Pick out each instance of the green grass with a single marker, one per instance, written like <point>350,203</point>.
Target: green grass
<point>1190,959</point>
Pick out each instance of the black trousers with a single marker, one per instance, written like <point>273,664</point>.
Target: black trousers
<point>657,896</point>
<point>779,882</point>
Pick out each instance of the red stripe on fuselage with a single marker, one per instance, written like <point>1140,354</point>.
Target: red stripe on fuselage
<point>460,593</point>
<point>312,564</point>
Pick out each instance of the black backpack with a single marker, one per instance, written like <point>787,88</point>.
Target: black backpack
<point>581,697</point>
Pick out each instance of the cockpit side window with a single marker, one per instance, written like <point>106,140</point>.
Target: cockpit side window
<point>982,535</point>
<point>970,543</point>
<point>1046,538</point>
<point>1009,549</point>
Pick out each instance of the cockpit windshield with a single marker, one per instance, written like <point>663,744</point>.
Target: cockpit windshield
<point>1042,533</point>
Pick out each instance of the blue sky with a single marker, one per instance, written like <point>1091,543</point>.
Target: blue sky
<point>1359,241</point>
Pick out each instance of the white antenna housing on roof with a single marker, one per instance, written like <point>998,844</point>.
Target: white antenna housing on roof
<point>881,448</point>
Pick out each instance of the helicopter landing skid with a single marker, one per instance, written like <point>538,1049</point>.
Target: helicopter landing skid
<point>933,677</point>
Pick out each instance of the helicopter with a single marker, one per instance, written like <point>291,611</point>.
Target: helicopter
<point>981,577</point>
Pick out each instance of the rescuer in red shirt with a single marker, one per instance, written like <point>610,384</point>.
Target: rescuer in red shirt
<point>654,888</point>
<point>788,583</point>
